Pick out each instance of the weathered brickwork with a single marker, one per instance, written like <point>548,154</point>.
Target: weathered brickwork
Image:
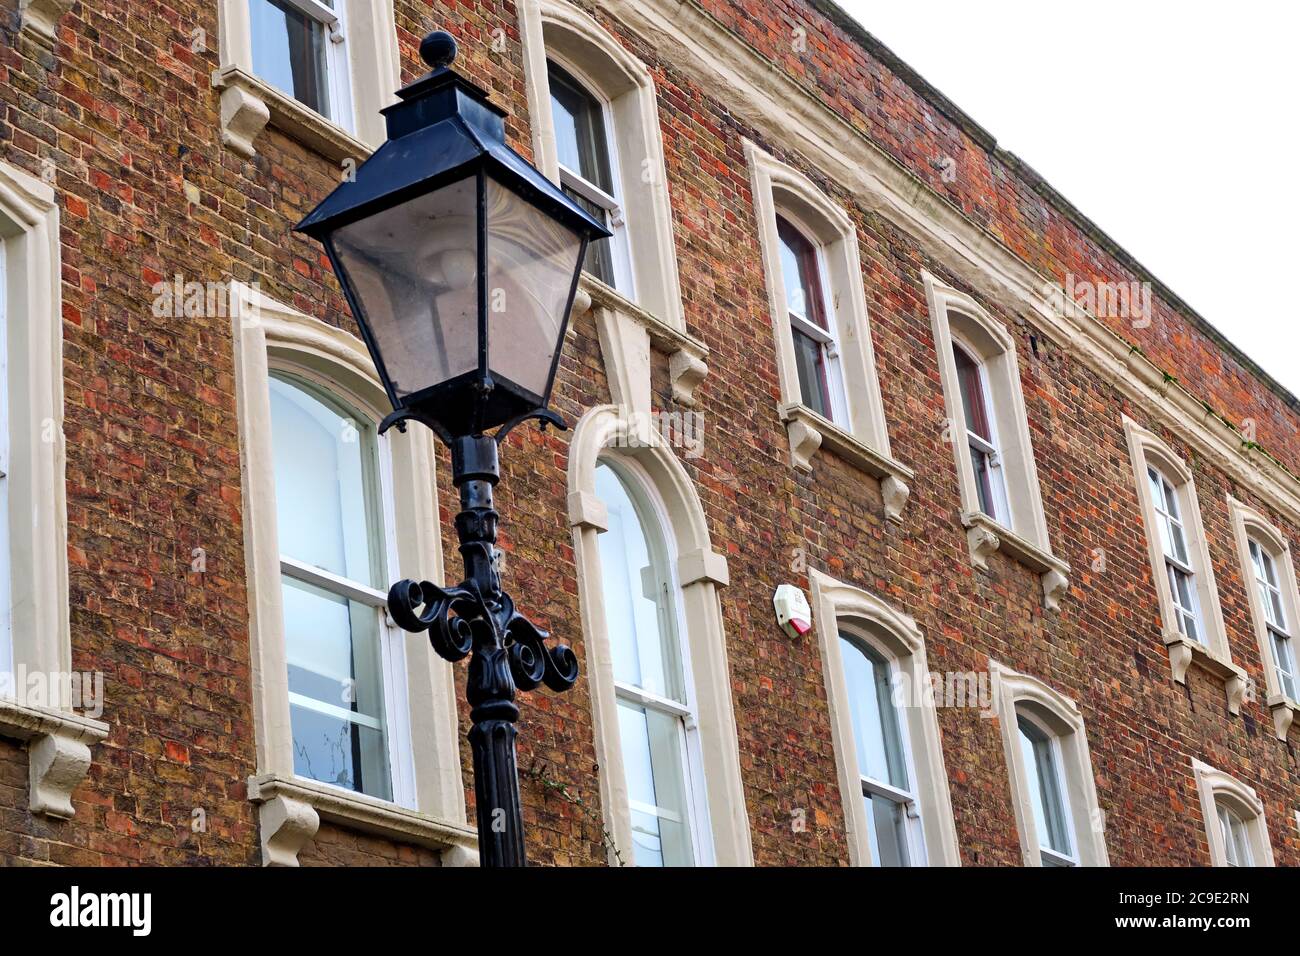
<point>122,117</point>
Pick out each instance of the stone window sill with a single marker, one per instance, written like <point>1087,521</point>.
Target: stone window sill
<point>1183,653</point>
<point>1284,711</point>
<point>248,105</point>
<point>985,536</point>
<point>292,808</point>
<point>687,365</point>
<point>58,748</point>
<point>809,432</point>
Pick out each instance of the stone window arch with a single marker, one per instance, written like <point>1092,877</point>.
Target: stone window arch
<point>819,318</point>
<point>1269,576</point>
<point>554,31</point>
<point>1028,708</point>
<point>1001,502</point>
<point>607,435</point>
<point>1181,568</point>
<point>427,805</point>
<point>842,611</point>
<point>1235,826</point>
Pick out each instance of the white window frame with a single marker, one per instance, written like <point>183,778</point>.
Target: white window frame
<point>603,432</point>
<point>1015,694</point>
<point>859,434</point>
<point>639,485</point>
<point>914,828</point>
<point>957,318</point>
<point>992,446</point>
<point>557,30</point>
<point>838,607</point>
<point>1187,617</point>
<point>363,77</point>
<point>422,708</point>
<point>1058,767</point>
<point>620,243</point>
<point>1249,525</point>
<point>828,338</point>
<point>392,640</point>
<point>58,738</point>
<point>1211,654</point>
<point>1214,787</point>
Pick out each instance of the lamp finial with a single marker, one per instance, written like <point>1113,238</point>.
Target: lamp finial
<point>438,49</point>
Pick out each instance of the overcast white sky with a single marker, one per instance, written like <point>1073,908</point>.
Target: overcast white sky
<point>1172,125</point>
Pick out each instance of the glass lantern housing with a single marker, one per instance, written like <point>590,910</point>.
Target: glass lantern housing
<point>459,259</point>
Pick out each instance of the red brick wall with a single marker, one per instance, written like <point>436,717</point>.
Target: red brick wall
<point>125,112</point>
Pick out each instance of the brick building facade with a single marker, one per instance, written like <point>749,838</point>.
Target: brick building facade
<point>142,145</point>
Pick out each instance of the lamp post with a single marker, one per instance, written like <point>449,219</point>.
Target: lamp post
<point>460,262</point>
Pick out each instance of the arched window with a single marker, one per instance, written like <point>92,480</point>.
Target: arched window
<point>1041,750</point>
<point>1276,622</point>
<point>1177,547</point>
<point>997,478</point>
<point>648,582</point>
<point>595,123</point>
<point>1269,575</point>
<point>1236,839</point>
<point>1179,573</point>
<point>826,368</point>
<point>884,728</point>
<point>1235,828</point>
<point>656,714</point>
<point>334,547</point>
<point>354,723</point>
<point>1053,794</point>
<point>884,756</point>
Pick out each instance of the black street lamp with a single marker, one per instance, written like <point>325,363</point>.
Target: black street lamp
<point>460,262</point>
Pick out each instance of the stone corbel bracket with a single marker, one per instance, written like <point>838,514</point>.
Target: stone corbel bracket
<point>249,104</point>
<point>58,749</point>
<point>810,432</point>
<point>1183,653</point>
<point>290,811</point>
<point>687,356</point>
<point>1283,710</point>
<point>984,536</point>
<point>243,113</point>
<point>40,18</point>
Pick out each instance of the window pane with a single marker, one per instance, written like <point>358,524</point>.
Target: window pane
<point>653,763</point>
<point>580,138</point>
<point>875,718</point>
<point>886,831</point>
<point>974,401</point>
<point>810,360</point>
<point>983,481</point>
<point>639,609</point>
<point>1236,842</point>
<point>336,690</point>
<point>323,470</point>
<point>1045,787</point>
<point>289,52</point>
<point>600,253</point>
<point>1284,658</point>
<point>801,274</point>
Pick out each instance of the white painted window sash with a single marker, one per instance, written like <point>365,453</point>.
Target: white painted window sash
<point>611,202</point>
<point>396,723</point>
<point>335,584</point>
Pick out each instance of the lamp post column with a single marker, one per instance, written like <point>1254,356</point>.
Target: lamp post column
<point>491,687</point>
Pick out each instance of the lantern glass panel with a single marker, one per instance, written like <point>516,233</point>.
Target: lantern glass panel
<point>414,274</point>
<point>532,260</point>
